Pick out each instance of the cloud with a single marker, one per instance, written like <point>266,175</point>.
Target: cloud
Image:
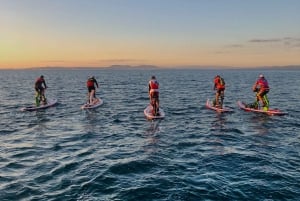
<point>291,42</point>
<point>265,40</point>
<point>286,41</point>
<point>235,46</point>
<point>54,61</point>
<point>120,60</point>
<point>291,39</point>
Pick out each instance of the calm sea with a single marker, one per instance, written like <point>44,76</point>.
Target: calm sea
<point>114,153</point>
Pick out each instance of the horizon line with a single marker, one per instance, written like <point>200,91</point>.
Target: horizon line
<point>117,66</point>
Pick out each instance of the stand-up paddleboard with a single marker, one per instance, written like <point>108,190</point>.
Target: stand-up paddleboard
<point>210,105</point>
<point>50,103</point>
<point>149,115</point>
<point>95,104</point>
<point>244,107</point>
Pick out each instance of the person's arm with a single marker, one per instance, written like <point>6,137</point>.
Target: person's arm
<point>44,82</point>
<point>254,88</point>
<point>215,84</point>
<point>96,83</point>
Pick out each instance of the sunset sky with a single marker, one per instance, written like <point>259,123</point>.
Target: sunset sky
<point>99,33</point>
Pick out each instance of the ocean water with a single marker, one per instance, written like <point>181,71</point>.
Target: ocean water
<point>114,153</point>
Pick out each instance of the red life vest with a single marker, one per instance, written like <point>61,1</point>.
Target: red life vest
<point>39,80</point>
<point>90,83</point>
<point>39,83</point>
<point>218,83</point>
<point>153,86</point>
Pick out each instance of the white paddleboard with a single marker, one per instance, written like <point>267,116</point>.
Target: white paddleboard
<point>209,105</point>
<point>50,103</point>
<point>98,102</point>
<point>149,115</point>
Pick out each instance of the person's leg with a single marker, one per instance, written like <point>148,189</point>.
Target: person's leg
<point>157,100</point>
<point>265,100</point>
<point>37,97</point>
<point>222,97</point>
<point>151,99</point>
<point>92,93</point>
<point>217,97</point>
<point>154,105</point>
<point>259,96</point>
<point>43,97</point>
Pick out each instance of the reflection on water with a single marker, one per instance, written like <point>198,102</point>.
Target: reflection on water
<point>91,119</point>
<point>260,123</point>
<point>220,121</point>
<point>152,136</point>
<point>154,127</point>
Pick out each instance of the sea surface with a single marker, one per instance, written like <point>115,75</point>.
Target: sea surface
<point>113,153</point>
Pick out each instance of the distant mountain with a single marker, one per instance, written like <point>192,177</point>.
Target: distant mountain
<point>290,67</point>
<point>128,67</point>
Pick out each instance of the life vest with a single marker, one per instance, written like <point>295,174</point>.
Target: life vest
<point>219,82</point>
<point>263,83</point>
<point>154,85</point>
<point>39,82</point>
<point>90,83</point>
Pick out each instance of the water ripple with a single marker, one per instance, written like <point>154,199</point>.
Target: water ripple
<point>114,153</point>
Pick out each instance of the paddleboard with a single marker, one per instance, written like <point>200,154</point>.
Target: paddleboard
<point>50,103</point>
<point>149,115</point>
<point>269,112</point>
<point>96,104</point>
<point>210,105</point>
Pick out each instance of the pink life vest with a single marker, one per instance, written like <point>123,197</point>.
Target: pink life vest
<point>263,83</point>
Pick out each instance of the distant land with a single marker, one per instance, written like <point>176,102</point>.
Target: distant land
<point>113,67</point>
<point>128,67</point>
<point>288,67</point>
<point>153,67</point>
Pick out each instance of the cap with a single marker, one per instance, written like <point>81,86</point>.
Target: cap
<point>261,76</point>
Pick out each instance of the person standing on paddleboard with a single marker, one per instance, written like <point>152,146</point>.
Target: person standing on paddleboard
<point>154,94</point>
<point>40,86</point>
<point>91,82</point>
<point>219,86</point>
<point>261,86</point>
